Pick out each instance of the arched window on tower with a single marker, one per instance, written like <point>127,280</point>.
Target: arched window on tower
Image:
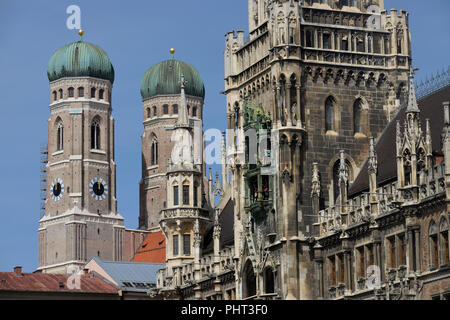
<point>443,240</point>
<point>154,151</point>
<point>71,92</point>
<point>186,193</point>
<point>149,113</point>
<point>101,94</point>
<point>165,109</point>
<point>175,109</point>
<point>330,114</point>
<point>59,135</point>
<point>93,93</point>
<point>194,111</point>
<point>95,134</point>
<point>357,116</point>
<point>80,92</point>
<point>155,111</point>
<point>55,96</point>
<point>60,94</point>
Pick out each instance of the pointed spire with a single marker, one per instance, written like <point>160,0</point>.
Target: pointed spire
<point>183,119</point>
<point>412,100</point>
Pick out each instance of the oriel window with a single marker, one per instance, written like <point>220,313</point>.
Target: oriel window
<point>186,195</point>
<point>175,245</point>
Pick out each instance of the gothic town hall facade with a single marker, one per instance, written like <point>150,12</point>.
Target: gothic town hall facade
<point>335,178</point>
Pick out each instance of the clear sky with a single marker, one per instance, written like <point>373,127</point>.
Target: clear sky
<point>136,34</point>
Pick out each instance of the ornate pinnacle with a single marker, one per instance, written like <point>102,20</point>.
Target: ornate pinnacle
<point>315,188</point>
<point>373,162</point>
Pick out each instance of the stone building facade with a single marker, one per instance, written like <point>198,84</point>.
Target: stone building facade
<point>327,84</point>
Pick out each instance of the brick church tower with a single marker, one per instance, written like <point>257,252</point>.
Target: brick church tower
<point>81,219</point>
<point>161,95</point>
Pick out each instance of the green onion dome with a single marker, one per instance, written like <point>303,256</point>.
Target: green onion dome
<point>164,79</point>
<point>80,59</point>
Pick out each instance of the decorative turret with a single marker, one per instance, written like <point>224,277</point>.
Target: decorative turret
<point>184,221</point>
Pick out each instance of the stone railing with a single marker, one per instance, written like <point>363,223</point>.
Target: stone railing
<point>389,197</point>
<point>179,213</point>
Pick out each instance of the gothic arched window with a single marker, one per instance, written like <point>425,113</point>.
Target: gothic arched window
<point>329,114</point>
<point>100,94</point>
<point>186,194</point>
<point>154,151</point>
<point>95,134</point>
<point>357,116</point>
<point>149,113</point>
<point>269,281</point>
<point>249,280</point>
<point>443,240</point>
<point>71,92</point>
<point>155,111</point>
<point>93,93</point>
<point>433,245</point>
<point>80,92</point>
<point>60,94</point>
<point>194,111</point>
<point>55,96</point>
<point>60,135</point>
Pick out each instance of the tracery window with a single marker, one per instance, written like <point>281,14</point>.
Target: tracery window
<point>60,136</point>
<point>95,134</point>
<point>357,116</point>
<point>154,151</point>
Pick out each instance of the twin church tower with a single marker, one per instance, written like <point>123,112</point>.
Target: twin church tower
<point>81,219</point>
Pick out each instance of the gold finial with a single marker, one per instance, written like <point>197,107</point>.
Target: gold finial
<point>172,51</point>
<point>81,33</point>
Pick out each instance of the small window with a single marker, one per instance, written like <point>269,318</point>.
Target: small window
<point>195,196</point>
<point>149,114</point>
<point>175,245</point>
<point>60,94</point>
<point>326,41</point>
<point>71,92</point>
<point>194,111</point>
<point>332,264</point>
<point>101,94</point>
<point>166,109</point>
<point>434,251</point>
<point>155,111</point>
<point>175,109</point>
<point>55,96</point>
<point>81,92</point>
<point>402,250</point>
<point>443,230</point>
<point>185,195</point>
<point>329,114</point>
<point>92,93</point>
<point>187,244</point>
<point>341,269</point>
<point>175,196</point>
<point>391,248</point>
<point>357,116</point>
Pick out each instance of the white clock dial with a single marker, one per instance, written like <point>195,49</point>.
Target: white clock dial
<point>98,189</point>
<point>57,189</point>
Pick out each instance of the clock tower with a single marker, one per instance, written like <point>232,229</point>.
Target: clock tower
<point>81,219</point>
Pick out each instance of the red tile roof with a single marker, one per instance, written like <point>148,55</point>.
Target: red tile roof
<point>41,282</point>
<point>153,249</point>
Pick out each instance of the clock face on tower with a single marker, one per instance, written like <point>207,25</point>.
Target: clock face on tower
<point>57,189</point>
<point>98,189</point>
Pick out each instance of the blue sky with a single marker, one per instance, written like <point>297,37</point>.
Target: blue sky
<point>136,35</point>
